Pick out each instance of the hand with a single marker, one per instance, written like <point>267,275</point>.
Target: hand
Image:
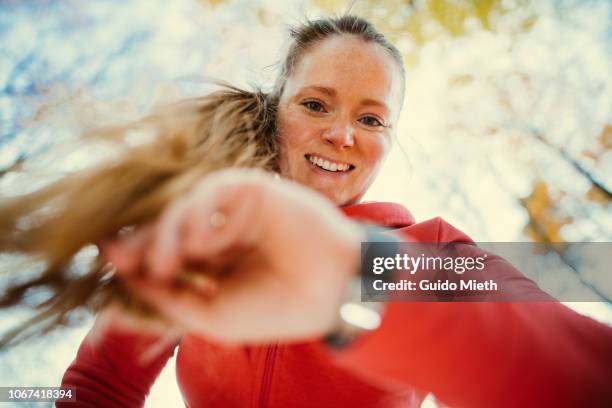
<point>286,256</point>
<point>154,335</point>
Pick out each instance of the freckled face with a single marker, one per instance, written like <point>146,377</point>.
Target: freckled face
<point>336,117</point>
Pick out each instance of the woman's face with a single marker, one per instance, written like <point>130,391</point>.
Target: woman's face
<point>336,117</point>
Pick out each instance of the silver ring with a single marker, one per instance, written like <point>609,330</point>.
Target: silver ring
<point>217,219</point>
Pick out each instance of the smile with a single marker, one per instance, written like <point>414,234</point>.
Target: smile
<point>329,165</point>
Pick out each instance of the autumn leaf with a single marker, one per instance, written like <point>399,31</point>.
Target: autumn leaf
<point>597,196</point>
<point>545,220</point>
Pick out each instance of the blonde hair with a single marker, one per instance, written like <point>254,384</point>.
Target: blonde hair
<point>193,137</point>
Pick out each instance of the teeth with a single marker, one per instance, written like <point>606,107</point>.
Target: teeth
<point>327,165</point>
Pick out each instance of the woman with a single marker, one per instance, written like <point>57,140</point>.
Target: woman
<point>255,331</point>
<point>284,257</point>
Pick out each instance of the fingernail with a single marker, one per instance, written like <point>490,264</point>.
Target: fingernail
<point>161,260</point>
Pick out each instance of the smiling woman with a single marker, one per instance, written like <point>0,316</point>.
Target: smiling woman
<point>251,276</point>
<point>337,115</point>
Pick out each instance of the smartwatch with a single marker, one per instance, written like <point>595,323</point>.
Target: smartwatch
<point>356,317</point>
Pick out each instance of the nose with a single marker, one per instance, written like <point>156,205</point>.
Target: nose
<point>341,135</point>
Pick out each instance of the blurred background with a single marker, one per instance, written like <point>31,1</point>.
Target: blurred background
<point>506,131</point>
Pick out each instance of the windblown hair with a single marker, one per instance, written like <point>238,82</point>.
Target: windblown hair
<point>227,128</point>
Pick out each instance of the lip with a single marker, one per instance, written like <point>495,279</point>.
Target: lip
<point>351,166</point>
<point>327,173</point>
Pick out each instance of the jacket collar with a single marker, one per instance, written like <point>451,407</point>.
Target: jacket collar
<point>390,215</point>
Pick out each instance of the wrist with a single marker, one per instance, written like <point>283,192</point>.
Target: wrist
<point>356,317</point>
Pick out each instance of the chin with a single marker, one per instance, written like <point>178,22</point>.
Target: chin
<point>331,196</point>
<point>339,201</point>
<point>335,193</point>
<point>347,202</point>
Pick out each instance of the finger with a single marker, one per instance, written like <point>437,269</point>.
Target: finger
<point>116,317</point>
<point>126,253</point>
<point>163,258</point>
<point>205,239</point>
<point>184,308</point>
<point>205,219</point>
<point>195,227</point>
<point>199,281</point>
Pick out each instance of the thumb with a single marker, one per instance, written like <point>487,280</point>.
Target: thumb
<point>127,252</point>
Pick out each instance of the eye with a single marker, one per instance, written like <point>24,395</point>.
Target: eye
<point>314,106</point>
<point>372,121</point>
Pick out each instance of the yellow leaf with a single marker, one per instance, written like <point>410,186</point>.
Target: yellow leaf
<point>545,220</point>
<point>597,196</point>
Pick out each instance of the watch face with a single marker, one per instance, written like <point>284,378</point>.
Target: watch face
<point>362,315</point>
<point>356,317</point>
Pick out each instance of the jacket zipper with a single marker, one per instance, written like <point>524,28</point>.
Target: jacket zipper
<point>267,376</point>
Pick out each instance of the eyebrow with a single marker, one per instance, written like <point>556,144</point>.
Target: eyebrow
<point>322,89</point>
<point>332,92</point>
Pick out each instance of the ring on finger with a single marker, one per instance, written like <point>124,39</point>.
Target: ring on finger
<point>217,219</point>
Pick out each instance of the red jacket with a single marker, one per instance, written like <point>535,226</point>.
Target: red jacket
<point>467,354</point>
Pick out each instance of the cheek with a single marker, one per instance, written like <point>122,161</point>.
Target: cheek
<point>290,140</point>
<point>294,134</point>
<point>375,152</point>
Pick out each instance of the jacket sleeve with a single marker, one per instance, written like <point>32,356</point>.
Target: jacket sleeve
<point>107,372</point>
<point>485,354</point>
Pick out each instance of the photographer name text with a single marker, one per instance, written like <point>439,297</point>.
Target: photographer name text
<point>434,286</point>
